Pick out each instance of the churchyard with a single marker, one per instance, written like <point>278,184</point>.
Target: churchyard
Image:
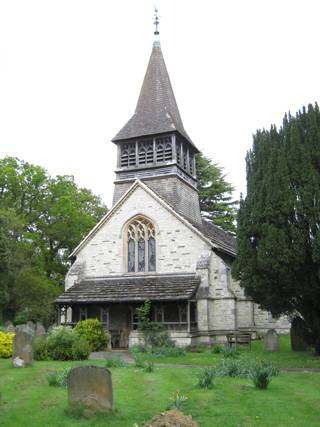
<point>142,390</point>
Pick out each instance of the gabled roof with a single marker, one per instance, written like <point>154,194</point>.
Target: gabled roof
<point>130,289</point>
<point>225,241</point>
<point>156,111</point>
<point>209,232</point>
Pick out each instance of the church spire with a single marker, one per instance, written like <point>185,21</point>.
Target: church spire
<point>156,110</point>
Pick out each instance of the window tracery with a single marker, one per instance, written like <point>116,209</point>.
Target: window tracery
<point>141,245</point>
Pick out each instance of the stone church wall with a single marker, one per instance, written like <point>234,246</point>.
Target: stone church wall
<point>177,246</point>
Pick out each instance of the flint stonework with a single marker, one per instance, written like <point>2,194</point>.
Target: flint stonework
<point>91,386</point>
<point>271,340</point>
<point>22,347</point>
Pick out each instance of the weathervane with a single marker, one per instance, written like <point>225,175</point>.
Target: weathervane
<point>156,21</point>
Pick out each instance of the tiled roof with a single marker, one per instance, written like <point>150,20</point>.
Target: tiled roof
<point>130,289</point>
<point>156,111</point>
<point>225,241</point>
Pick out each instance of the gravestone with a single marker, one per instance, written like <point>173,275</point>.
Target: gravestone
<point>91,386</point>
<point>31,326</point>
<point>271,340</point>
<point>40,330</point>
<point>9,327</point>
<point>22,353</point>
<point>297,333</point>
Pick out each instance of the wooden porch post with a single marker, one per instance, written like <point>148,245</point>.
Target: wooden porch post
<point>188,314</point>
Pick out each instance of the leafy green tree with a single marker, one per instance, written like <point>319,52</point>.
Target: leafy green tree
<point>278,235</point>
<point>41,220</point>
<point>215,194</point>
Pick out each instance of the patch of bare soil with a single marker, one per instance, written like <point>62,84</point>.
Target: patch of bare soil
<point>173,418</point>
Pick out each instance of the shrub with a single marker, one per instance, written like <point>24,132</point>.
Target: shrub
<point>80,349</point>
<point>260,376</point>
<point>58,378</point>
<point>62,343</point>
<point>6,344</point>
<point>138,361</point>
<point>59,343</point>
<point>115,362</point>
<point>40,348</point>
<point>233,368</point>
<point>149,367</point>
<point>92,331</point>
<point>217,348</point>
<point>138,349</point>
<point>229,352</point>
<point>205,377</point>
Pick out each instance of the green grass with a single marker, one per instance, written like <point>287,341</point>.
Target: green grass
<point>292,399</point>
<point>284,358</point>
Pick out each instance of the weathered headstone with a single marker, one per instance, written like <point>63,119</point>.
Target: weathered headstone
<point>91,386</point>
<point>297,332</point>
<point>22,347</point>
<point>9,327</point>
<point>31,325</point>
<point>271,340</point>
<point>40,330</point>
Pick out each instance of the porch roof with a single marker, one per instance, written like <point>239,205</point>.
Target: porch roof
<point>131,289</point>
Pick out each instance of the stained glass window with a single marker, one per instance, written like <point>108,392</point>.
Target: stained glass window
<point>141,255</point>
<point>141,245</point>
<point>151,254</point>
<point>131,257</point>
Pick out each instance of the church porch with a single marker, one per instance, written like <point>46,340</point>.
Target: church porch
<point>121,321</point>
<point>114,301</point>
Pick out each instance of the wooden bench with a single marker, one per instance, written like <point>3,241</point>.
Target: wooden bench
<point>237,338</point>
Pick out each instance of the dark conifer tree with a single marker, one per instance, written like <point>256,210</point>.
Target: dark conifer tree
<point>278,234</point>
<point>215,194</point>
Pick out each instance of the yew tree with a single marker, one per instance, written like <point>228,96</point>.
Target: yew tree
<point>278,233</point>
<point>215,194</point>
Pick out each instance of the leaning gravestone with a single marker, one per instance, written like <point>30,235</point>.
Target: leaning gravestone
<point>91,386</point>
<point>22,353</point>
<point>297,332</point>
<point>271,340</point>
<point>40,330</point>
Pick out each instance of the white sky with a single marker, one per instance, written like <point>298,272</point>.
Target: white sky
<point>71,72</point>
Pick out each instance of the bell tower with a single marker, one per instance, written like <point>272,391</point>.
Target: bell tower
<point>153,145</point>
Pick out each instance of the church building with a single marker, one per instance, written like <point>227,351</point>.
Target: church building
<point>153,244</point>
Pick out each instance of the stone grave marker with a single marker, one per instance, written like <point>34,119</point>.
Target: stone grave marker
<point>297,331</point>
<point>22,352</point>
<point>9,327</point>
<point>91,386</point>
<point>271,340</point>
<point>40,330</point>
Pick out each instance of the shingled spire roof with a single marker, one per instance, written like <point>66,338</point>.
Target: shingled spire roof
<point>156,111</point>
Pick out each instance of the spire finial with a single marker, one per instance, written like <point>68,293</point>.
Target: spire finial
<point>156,22</point>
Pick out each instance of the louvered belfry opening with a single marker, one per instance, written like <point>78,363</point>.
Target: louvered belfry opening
<point>157,151</point>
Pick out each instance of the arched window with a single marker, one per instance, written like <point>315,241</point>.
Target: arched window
<point>141,245</point>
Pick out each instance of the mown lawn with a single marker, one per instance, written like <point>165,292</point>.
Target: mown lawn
<point>292,399</point>
<point>284,358</point>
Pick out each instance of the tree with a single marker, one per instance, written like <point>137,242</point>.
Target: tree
<point>42,219</point>
<point>278,234</point>
<point>215,194</point>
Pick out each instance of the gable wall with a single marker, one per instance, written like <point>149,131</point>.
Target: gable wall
<point>177,246</point>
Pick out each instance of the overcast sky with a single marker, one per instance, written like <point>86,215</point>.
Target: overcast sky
<point>71,72</point>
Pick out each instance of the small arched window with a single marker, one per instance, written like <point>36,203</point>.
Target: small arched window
<point>141,245</point>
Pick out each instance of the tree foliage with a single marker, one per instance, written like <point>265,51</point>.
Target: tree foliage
<point>278,234</point>
<point>41,220</point>
<point>215,194</point>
